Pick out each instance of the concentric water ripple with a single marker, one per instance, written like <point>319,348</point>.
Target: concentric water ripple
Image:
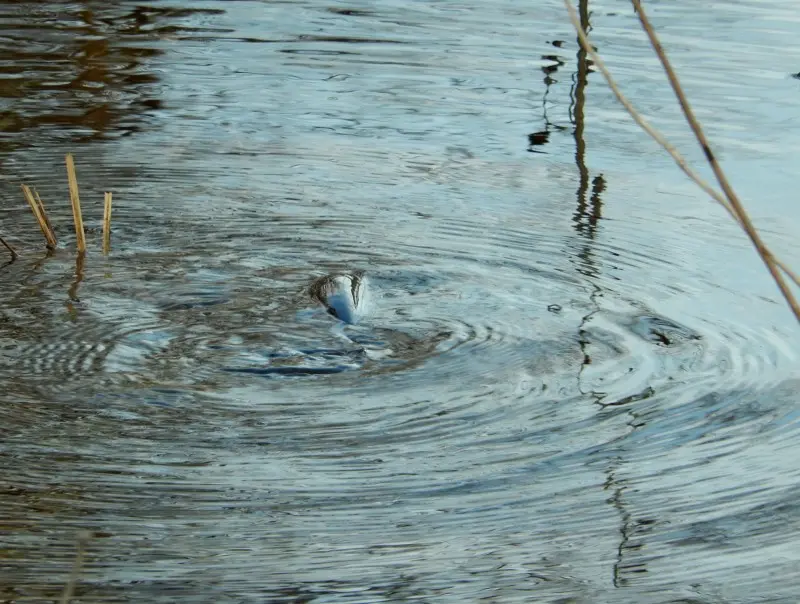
<point>470,394</point>
<point>575,384</point>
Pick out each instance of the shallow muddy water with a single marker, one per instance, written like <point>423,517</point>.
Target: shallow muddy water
<point>576,381</point>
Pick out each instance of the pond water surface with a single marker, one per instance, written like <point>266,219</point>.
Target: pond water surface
<point>577,382</point>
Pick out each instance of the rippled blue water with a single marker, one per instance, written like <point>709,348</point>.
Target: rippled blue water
<point>577,382</point>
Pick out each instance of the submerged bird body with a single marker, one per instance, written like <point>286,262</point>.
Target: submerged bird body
<point>344,296</point>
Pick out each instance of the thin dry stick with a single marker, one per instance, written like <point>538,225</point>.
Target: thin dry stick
<point>69,588</point>
<point>657,136</point>
<point>76,204</point>
<point>11,250</point>
<point>41,217</point>
<point>107,223</point>
<point>722,179</point>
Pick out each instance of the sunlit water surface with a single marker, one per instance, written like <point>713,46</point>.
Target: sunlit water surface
<point>577,382</point>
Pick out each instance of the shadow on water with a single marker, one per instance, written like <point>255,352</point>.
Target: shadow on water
<point>552,398</point>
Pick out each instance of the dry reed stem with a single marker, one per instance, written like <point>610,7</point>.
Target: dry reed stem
<point>69,588</point>
<point>722,179</point>
<point>766,255</point>
<point>44,213</point>
<point>638,117</point>
<point>37,207</point>
<point>75,199</point>
<point>107,223</point>
<point>792,275</point>
<point>11,250</point>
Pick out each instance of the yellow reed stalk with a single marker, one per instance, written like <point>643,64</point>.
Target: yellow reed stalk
<point>41,216</point>
<point>44,214</point>
<point>75,199</point>
<point>107,223</point>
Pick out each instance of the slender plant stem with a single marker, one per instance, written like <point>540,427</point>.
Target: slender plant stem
<point>792,275</point>
<point>722,179</point>
<point>44,214</point>
<point>638,117</point>
<point>769,259</point>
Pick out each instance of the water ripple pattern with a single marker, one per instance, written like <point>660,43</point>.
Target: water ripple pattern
<point>575,381</point>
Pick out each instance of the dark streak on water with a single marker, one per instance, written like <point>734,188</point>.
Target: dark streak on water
<point>576,385</point>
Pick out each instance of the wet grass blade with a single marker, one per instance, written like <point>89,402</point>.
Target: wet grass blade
<point>741,215</point>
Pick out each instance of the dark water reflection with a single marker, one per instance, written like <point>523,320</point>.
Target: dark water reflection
<point>82,67</point>
<point>576,384</point>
